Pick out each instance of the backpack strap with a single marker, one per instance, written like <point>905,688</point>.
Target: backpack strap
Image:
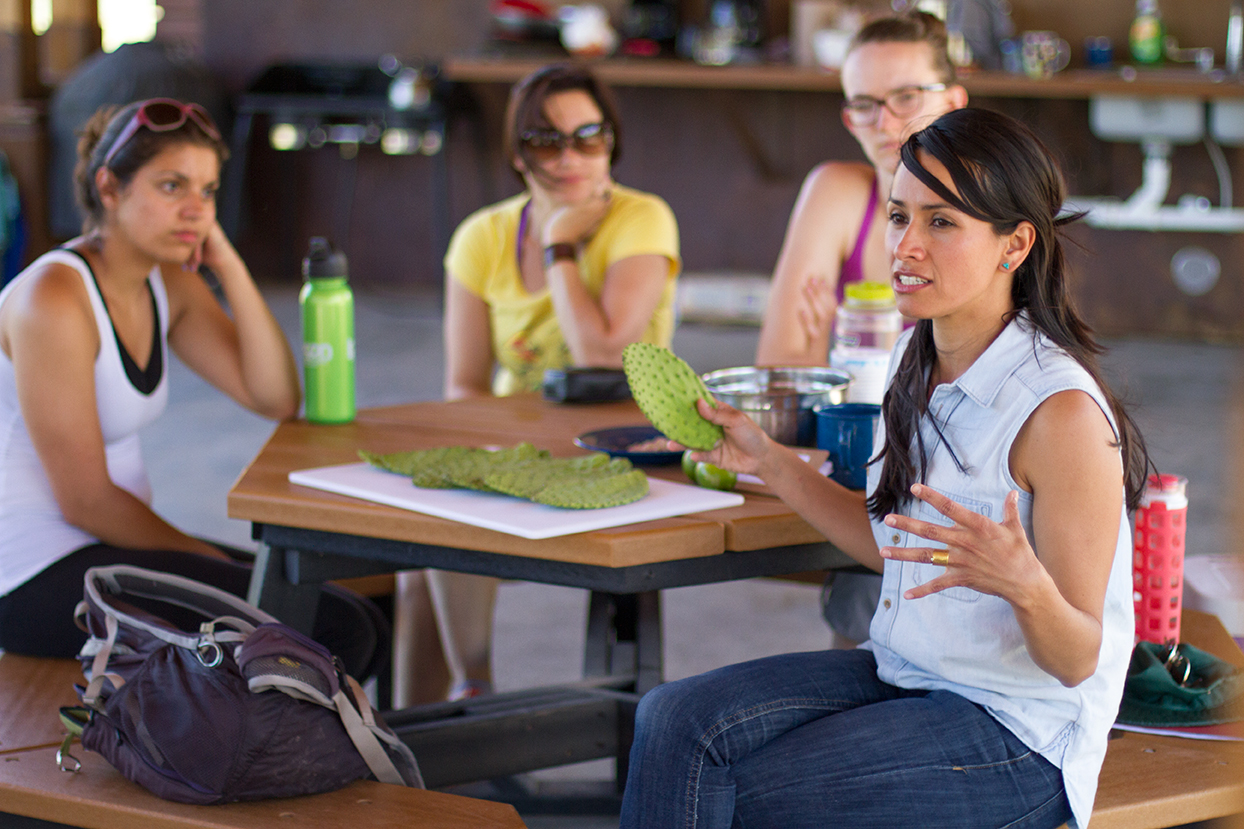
<point>366,736</point>
<point>99,666</point>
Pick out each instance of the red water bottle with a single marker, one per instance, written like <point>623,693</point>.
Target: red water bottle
<point>1158,558</point>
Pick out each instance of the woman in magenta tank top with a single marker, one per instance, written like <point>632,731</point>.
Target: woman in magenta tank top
<point>896,79</point>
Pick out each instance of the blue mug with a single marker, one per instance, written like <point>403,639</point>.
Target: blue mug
<point>1098,52</point>
<point>846,431</point>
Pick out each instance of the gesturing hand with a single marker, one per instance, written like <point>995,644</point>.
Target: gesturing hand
<point>981,554</point>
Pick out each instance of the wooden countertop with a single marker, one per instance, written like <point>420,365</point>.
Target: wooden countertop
<point>678,74</point>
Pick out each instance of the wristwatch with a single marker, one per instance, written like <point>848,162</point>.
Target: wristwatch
<point>557,252</point>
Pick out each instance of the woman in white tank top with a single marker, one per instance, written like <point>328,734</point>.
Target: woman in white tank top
<point>84,334</point>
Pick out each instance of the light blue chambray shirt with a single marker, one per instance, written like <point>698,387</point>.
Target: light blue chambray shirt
<point>968,642</point>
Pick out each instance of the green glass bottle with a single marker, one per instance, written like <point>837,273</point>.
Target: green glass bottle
<point>327,335</point>
<point>1147,36</point>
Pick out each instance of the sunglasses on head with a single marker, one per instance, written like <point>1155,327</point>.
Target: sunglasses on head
<point>162,115</point>
<point>547,144</point>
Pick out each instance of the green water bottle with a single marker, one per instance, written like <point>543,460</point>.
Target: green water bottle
<point>327,335</point>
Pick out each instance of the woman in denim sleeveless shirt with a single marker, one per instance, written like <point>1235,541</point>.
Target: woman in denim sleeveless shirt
<point>996,509</point>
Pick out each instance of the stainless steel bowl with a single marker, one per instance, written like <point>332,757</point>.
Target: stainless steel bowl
<point>780,398</point>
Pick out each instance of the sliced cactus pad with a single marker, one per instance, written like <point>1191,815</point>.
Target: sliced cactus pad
<point>592,491</point>
<point>583,482</point>
<point>666,388</point>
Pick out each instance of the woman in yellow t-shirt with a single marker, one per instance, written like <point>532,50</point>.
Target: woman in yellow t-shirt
<point>566,273</point>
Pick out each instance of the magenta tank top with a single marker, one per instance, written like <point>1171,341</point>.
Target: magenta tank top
<point>853,268</point>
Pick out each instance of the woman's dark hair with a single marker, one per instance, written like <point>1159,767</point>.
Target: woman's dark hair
<point>525,110</point>
<point>1004,175</point>
<point>96,138</point>
<point>910,27</point>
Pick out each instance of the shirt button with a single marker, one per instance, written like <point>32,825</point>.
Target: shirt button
<point>887,604</point>
<point>896,538</point>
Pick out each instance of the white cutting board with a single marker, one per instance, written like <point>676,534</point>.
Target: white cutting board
<point>506,513</point>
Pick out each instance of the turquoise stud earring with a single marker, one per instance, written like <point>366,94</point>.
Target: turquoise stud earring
<point>1006,266</point>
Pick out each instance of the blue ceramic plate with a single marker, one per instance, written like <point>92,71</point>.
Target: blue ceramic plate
<point>617,442</point>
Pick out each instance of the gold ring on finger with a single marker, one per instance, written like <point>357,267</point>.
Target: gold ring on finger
<point>940,557</point>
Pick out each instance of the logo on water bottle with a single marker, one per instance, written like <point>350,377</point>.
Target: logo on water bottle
<point>316,355</point>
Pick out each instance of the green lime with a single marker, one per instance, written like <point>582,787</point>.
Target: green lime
<point>688,465</point>
<point>714,477</point>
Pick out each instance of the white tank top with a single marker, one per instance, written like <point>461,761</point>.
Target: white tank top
<point>33,532</point>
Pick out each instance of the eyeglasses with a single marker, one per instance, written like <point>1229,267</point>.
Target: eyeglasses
<point>162,115</point>
<point>863,110</point>
<point>589,139</point>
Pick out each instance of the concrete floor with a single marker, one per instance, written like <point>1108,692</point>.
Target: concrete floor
<point>1186,398</point>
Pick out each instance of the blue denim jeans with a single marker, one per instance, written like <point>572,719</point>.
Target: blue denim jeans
<point>817,740</point>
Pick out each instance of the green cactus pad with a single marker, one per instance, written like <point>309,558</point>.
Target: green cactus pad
<point>524,471</point>
<point>408,463</point>
<point>665,389</point>
<point>591,492</point>
<point>526,478</point>
<point>471,470</point>
<point>447,467</point>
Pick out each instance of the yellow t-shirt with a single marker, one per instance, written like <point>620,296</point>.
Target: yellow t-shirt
<point>526,338</point>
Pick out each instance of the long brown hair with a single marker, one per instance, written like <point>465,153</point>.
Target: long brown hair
<point>1004,175</point>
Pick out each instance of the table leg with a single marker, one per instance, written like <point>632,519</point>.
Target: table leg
<point>624,637</point>
<point>273,592</point>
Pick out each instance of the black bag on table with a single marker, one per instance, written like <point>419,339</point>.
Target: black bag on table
<point>245,708</point>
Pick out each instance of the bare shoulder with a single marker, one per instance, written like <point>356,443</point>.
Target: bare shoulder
<point>54,290</point>
<point>1067,435</point>
<point>1072,411</point>
<point>52,302</point>
<point>839,181</point>
<point>827,214</point>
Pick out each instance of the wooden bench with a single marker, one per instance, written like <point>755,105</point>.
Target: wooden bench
<point>1154,782</point>
<point>98,797</point>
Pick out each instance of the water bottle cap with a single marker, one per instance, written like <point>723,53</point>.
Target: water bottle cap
<point>1167,483</point>
<point>1171,491</point>
<point>871,293</point>
<point>323,261</point>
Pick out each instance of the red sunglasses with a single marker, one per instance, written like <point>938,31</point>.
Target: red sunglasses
<point>163,115</point>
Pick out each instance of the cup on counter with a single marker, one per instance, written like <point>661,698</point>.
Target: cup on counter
<point>1043,54</point>
<point>845,431</point>
<point>1098,52</point>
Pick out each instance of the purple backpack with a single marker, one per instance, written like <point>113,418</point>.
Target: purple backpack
<point>245,708</point>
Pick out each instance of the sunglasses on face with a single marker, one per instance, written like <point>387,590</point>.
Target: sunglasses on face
<point>162,115</point>
<point>590,139</point>
<point>863,110</point>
